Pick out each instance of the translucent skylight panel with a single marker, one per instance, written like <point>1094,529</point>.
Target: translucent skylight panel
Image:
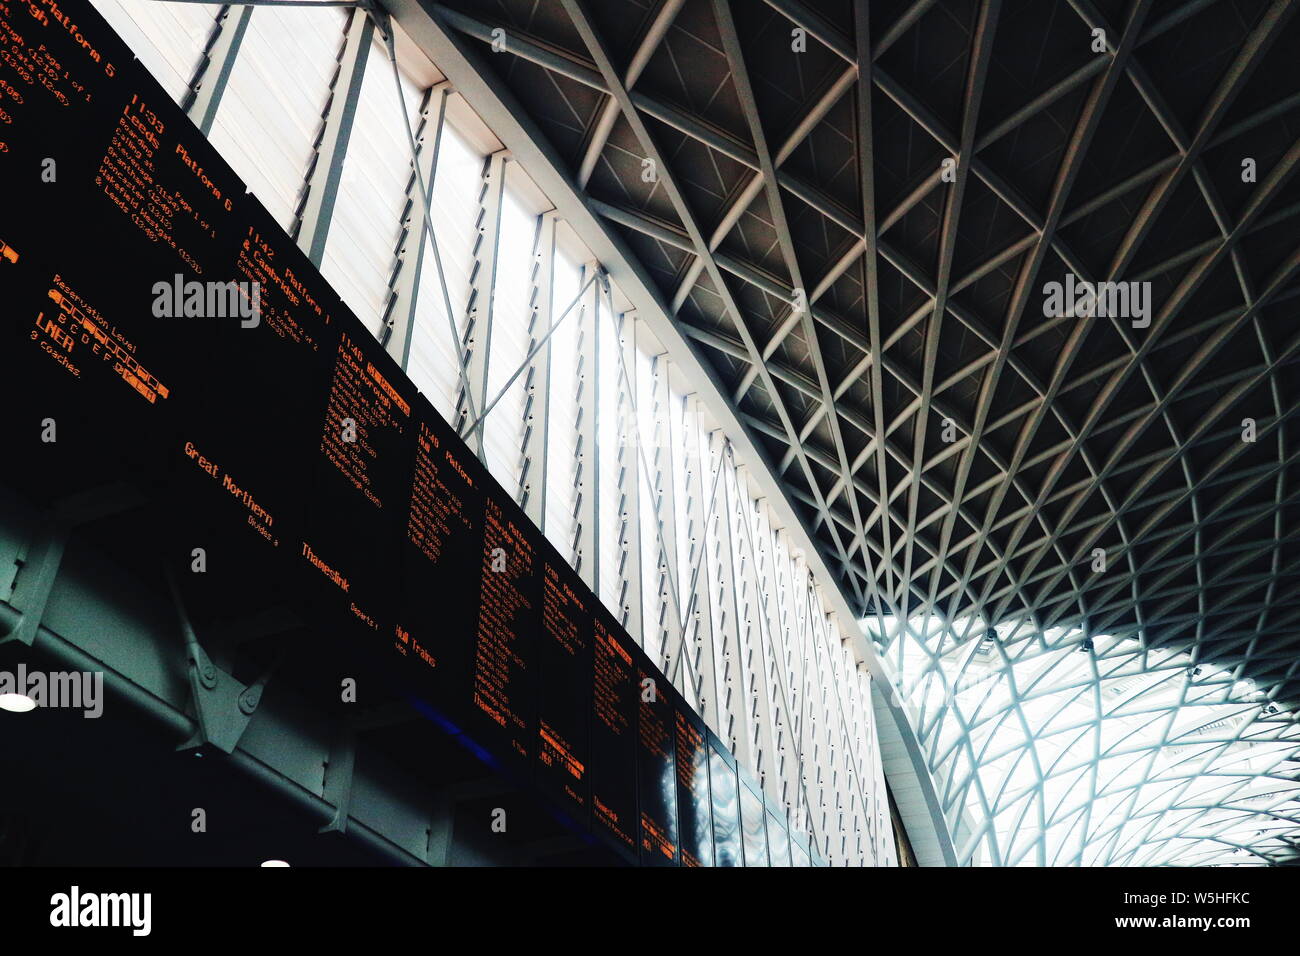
<point>168,38</point>
<point>270,113</point>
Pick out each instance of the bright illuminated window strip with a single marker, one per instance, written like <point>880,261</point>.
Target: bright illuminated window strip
<point>358,260</point>
<point>1188,771</point>
<point>561,497</point>
<point>434,359</point>
<point>509,344</point>
<point>269,116</point>
<point>168,38</point>
<point>613,479</point>
<point>746,552</point>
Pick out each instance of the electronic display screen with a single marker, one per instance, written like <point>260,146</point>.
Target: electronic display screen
<point>613,734</point>
<point>278,432</point>
<point>656,768</point>
<point>565,662</point>
<point>694,813</point>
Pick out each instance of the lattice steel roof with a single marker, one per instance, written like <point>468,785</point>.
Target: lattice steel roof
<point>743,172</point>
<point>854,211</point>
<point>1123,755</point>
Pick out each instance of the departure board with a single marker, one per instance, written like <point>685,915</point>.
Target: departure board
<point>694,813</point>
<point>613,735</point>
<point>656,769</point>
<point>183,343</point>
<point>565,663</point>
<point>440,542</point>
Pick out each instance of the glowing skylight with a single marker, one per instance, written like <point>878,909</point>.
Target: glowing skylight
<point>1062,752</point>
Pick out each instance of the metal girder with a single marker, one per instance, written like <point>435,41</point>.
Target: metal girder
<point>748,193</point>
<point>629,486</point>
<point>702,499</point>
<point>1277,179</point>
<point>203,96</point>
<point>630,114</point>
<point>534,467</point>
<point>586,470</point>
<point>478,321</point>
<point>870,277</point>
<point>981,47</point>
<point>659,25</point>
<point>223,705</point>
<point>1051,441</point>
<point>776,205</point>
<point>37,566</point>
<point>316,211</point>
<point>408,256</point>
<point>1025,284</point>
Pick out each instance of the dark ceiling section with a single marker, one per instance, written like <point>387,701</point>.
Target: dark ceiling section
<point>736,149</point>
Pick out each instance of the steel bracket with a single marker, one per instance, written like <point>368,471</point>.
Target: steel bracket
<point>223,706</point>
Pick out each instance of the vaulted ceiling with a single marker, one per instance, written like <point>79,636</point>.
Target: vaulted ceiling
<point>853,210</point>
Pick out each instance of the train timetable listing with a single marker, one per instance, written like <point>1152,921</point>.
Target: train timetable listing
<point>31,62</point>
<point>291,305</point>
<point>187,345</point>
<point>656,774</point>
<point>50,72</point>
<point>613,736</point>
<point>439,488</point>
<point>564,666</point>
<point>164,191</point>
<point>441,563</point>
<point>503,650</point>
<point>693,811</point>
<point>364,416</point>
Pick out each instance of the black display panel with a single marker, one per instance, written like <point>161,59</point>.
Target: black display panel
<point>440,544</point>
<point>656,768</point>
<point>613,735</point>
<point>294,460</point>
<point>502,690</point>
<point>564,658</point>
<point>694,813</point>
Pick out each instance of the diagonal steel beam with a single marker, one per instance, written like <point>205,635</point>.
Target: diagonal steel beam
<point>1279,176</point>
<point>980,55</point>
<point>776,205</point>
<point>1076,152</point>
<point>582,23</point>
<point>654,35</point>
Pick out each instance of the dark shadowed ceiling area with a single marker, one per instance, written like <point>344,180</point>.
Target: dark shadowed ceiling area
<point>853,210</point>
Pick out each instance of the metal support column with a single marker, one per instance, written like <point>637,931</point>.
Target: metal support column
<point>537,385</point>
<point>702,479</point>
<point>586,464</point>
<point>213,72</point>
<point>629,483</point>
<point>478,330</point>
<point>317,210</point>
<point>408,264</point>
